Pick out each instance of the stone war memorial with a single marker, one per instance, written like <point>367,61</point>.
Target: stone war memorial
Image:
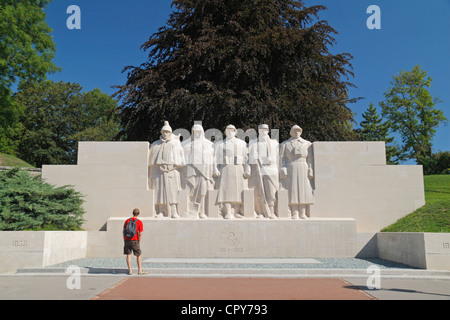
<point>207,194</point>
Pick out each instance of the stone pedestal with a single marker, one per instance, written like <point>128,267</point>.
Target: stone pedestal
<point>248,209</point>
<point>213,210</point>
<point>239,238</point>
<point>282,203</point>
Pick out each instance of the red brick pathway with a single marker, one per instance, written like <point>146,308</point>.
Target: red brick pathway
<point>146,288</point>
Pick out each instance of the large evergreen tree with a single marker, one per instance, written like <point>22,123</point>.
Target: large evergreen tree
<point>28,203</point>
<point>244,63</point>
<point>374,129</point>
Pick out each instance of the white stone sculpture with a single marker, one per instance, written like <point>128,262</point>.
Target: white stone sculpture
<point>297,172</point>
<point>232,170</point>
<point>166,156</point>
<point>263,159</point>
<point>199,155</point>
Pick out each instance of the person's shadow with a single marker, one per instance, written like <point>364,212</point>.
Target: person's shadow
<point>99,270</point>
<point>364,288</point>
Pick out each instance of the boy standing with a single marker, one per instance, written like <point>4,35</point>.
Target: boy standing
<point>133,244</point>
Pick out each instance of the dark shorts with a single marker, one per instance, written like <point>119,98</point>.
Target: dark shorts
<point>132,246</point>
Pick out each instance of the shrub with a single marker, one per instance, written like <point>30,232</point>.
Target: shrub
<point>28,203</point>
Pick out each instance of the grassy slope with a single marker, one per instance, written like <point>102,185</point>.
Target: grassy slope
<point>11,161</point>
<point>435,215</point>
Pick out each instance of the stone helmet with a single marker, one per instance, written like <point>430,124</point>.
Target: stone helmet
<point>296,128</point>
<point>231,127</point>
<point>198,127</point>
<point>166,127</point>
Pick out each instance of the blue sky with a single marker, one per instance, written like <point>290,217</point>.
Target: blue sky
<point>413,32</point>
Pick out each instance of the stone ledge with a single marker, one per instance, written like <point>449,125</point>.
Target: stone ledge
<point>239,238</point>
<point>19,249</point>
<point>417,249</point>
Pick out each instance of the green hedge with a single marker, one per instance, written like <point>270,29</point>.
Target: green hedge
<point>28,203</point>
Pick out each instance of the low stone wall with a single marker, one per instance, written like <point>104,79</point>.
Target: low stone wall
<point>416,249</point>
<point>22,249</point>
<point>236,238</point>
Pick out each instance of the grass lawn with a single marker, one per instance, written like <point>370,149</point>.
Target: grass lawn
<point>11,161</point>
<point>434,216</point>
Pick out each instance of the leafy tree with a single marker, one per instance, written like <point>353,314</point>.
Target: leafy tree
<point>410,109</point>
<point>240,62</point>
<point>374,129</point>
<point>9,130</point>
<point>26,53</point>
<point>438,163</point>
<point>58,115</point>
<point>28,203</point>
<point>97,118</point>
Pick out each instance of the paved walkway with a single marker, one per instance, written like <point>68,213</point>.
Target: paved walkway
<point>228,280</point>
<point>233,289</point>
<point>110,287</point>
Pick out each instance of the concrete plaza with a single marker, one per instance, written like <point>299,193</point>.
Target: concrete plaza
<point>217,280</point>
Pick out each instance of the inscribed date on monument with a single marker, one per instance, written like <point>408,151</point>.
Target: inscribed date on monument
<point>19,243</point>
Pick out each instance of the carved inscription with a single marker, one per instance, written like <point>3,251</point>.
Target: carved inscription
<point>446,245</point>
<point>19,243</point>
<point>232,240</point>
<point>231,250</point>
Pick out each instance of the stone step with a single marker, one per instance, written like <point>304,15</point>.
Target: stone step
<point>232,261</point>
<point>249,272</point>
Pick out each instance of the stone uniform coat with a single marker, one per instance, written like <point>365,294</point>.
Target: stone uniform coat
<point>296,159</point>
<point>231,159</point>
<point>165,157</point>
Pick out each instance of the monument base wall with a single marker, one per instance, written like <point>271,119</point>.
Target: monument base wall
<point>230,239</point>
<point>351,180</point>
<point>237,238</point>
